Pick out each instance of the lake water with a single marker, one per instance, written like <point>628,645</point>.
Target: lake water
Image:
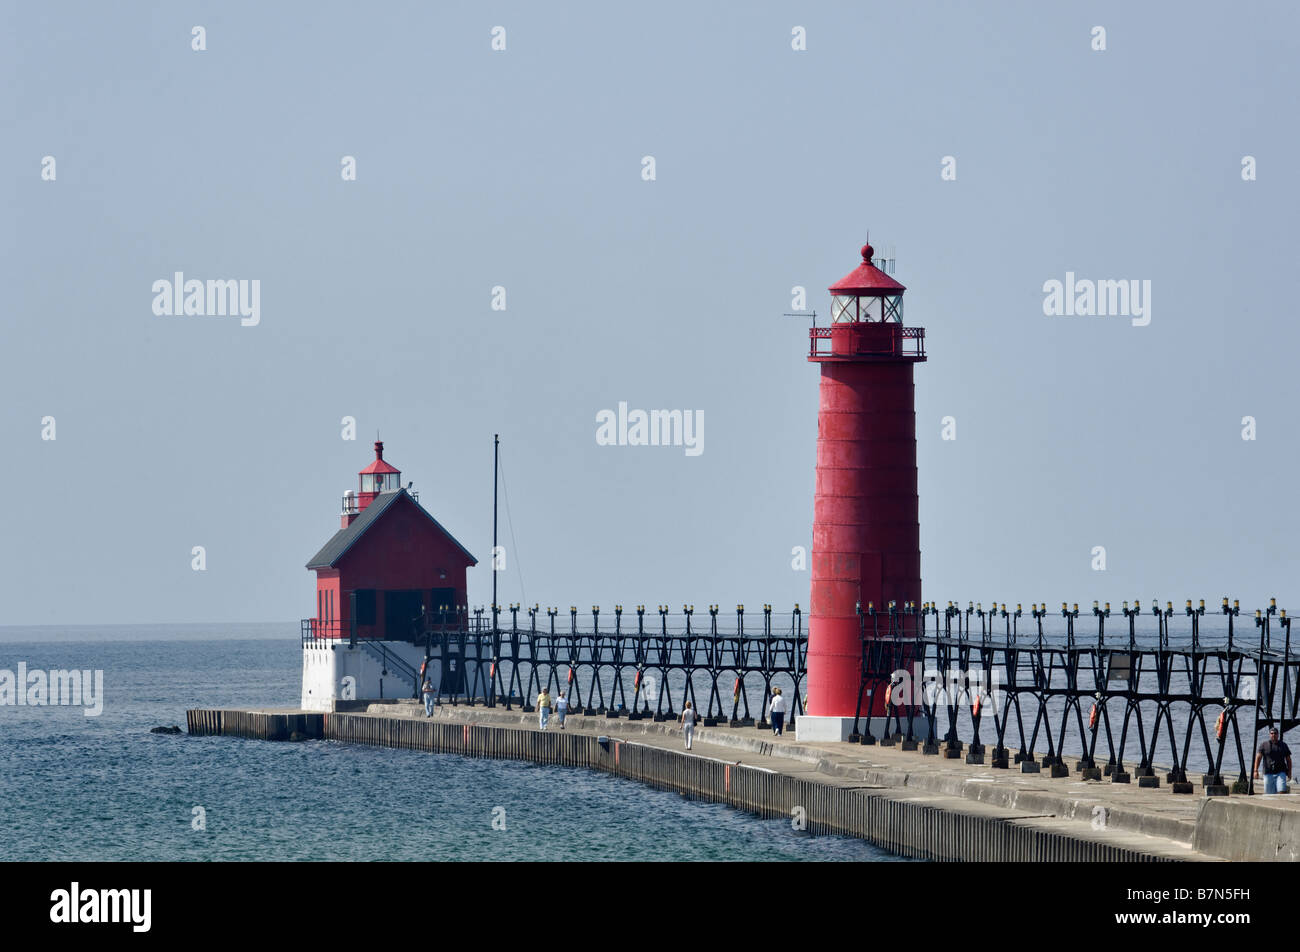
<point>104,788</point>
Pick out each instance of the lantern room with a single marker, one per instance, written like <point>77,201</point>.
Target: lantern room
<point>378,477</point>
<point>867,294</point>
<point>867,318</point>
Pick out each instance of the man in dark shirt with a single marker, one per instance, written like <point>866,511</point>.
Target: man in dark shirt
<point>1277,763</point>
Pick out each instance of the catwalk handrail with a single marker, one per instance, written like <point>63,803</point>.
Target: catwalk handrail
<point>1135,681</point>
<point>1156,689</point>
<point>612,668</point>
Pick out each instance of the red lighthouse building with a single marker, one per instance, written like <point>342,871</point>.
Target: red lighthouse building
<point>866,531</point>
<point>391,573</point>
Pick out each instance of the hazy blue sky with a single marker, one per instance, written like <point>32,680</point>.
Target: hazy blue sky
<point>523,169</point>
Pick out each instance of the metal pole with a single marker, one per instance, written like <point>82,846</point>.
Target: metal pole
<point>1261,622</point>
<point>496,468</point>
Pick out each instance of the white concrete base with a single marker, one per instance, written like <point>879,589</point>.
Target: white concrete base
<point>340,672</point>
<point>822,729</point>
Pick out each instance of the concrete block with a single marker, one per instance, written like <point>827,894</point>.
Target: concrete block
<point>816,729</point>
<point>1248,829</point>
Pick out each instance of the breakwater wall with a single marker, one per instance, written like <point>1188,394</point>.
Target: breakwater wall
<point>923,827</point>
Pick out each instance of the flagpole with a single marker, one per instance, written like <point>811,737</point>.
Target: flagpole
<point>496,468</point>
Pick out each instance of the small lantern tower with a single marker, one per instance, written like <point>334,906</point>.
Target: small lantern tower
<point>866,532</point>
<point>378,477</point>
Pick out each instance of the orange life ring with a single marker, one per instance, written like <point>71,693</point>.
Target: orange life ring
<point>636,684</point>
<point>975,708</point>
<point>735,693</point>
<point>1221,725</point>
<point>570,676</point>
<point>889,693</point>
<point>1092,717</point>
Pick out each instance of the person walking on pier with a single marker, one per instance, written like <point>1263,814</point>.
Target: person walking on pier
<point>428,697</point>
<point>777,710</point>
<point>688,724</point>
<point>543,709</point>
<point>1277,763</point>
<point>561,709</point>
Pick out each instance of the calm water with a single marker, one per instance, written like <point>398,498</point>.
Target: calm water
<point>104,788</point>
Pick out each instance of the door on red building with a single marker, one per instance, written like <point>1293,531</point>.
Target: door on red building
<point>363,607</point>
<point>402,615</point>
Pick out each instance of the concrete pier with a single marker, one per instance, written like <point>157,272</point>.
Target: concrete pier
<point>916,805</point>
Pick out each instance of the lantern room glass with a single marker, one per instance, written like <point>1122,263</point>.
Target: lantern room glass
<point>379,482</point>
<point>844,309</point>
<point>893,308</point>
<point>853,308</point>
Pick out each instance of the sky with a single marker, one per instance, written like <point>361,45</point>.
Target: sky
<point>995,146</point>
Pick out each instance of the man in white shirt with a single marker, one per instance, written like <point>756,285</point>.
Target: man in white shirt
<point>777,711</point>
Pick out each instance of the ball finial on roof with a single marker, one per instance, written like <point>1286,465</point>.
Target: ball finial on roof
<point>868,253</point>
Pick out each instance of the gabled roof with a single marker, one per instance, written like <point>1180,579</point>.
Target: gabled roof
<point>328,557</point>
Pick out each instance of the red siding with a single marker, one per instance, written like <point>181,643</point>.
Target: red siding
<point>402,551</point>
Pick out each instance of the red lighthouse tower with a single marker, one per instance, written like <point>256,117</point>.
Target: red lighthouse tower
<point>866,532</point>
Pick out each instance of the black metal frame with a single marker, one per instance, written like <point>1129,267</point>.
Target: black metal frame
<point>1145,687</point>
<point>1143,694</point>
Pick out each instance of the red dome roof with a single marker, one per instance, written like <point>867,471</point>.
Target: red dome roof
<point>866,278</point>
<point>378,465</point>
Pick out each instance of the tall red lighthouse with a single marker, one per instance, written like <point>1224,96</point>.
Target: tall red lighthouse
<point>866,532</point>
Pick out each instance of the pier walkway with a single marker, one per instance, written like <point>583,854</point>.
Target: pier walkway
<point>915,804</point>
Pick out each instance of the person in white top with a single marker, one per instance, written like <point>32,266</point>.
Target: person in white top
<point>688,724</point>
<point>777,710</point>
